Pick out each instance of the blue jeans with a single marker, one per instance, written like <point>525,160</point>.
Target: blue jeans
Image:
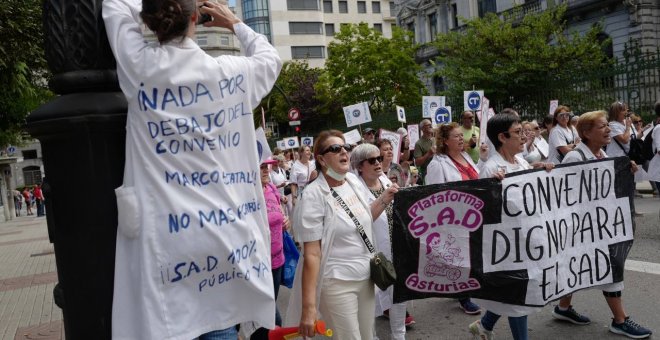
<point>262,333</point>
<point>224,334</point>
<point>518,324</point>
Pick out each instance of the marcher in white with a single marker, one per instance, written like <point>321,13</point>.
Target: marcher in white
<point>191,195</point>
<point>595,133</point>
<point>563,136</point>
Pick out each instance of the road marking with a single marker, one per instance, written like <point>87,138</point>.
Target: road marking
<point>643,267</point>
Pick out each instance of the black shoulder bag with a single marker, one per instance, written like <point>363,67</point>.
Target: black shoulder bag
<point>381,269</point>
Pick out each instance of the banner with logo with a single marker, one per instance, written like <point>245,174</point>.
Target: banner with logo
<point>430,104</point>
<point>526,240</point>
<point>357,114</point>
<point>309,141</point>
<point>472,100</point>
<point>291,142</point>
<point>281,144</point>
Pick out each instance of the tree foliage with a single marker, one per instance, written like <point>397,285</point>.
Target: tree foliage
<point>23,75</point>
<point>508,59</point>
<point>363,65</point>
<point>297,83</point>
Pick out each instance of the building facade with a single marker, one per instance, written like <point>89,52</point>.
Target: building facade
<point>621,21</point>
<point>303,29</point>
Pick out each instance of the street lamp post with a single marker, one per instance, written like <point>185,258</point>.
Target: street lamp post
<point>82,134</point>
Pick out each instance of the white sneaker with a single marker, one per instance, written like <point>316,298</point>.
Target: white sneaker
<point>480,332</point>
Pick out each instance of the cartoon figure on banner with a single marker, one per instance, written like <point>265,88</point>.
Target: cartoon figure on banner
<point>443,259</point>
<point>444,267</point>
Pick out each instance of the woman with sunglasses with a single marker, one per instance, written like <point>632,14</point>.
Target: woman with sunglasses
<point>563,137</point>
<point>367,162</point>
<point>334,275</point>
<point>596,133</point>
<point>451,164</point>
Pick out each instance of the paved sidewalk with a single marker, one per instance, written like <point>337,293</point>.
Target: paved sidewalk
<point>27,277</point>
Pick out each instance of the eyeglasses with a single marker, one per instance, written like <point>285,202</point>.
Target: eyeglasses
<point>373,160</point>
<point>637,121</point>
<point>509,133</point>
<point>336,148</point>
<point>468,118</point>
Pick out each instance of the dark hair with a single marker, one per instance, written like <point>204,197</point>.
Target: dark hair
<point>441,135</point>
<point>168,19</point>
<point>548,120</point>
<point>319,142</point>
<point>498,124</point>
<point>509,111</point>
<point>614,110</point>
<point>657,108</point>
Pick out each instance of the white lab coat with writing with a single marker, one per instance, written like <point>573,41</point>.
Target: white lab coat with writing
<point>192,253</point>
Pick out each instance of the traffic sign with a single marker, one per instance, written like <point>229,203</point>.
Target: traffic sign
<point>294,114</point>
<point>294,123</point>
<point>11,149</point>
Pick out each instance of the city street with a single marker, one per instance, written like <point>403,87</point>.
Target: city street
<point>28,275</point>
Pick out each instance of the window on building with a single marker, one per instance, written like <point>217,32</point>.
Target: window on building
<point>378,28</point>
<point>327,6</point>
<point>305,28</point>
<point>31,175</point>
<point>224,40</point>
<point>438,84</point>
<point>202,40</point>
<point>411,28</point>
<point>486,6</point>
<point>375,7</point>
<point>392,9</point>
<point>392,26</point>
<point>330,30</point>
<point>362,7</point>
<point>29,154</point>
<point>307,52</point>
<point>303,4</point>
<point>454,15</point>
<point>343,6</point>
<point>433,26</point>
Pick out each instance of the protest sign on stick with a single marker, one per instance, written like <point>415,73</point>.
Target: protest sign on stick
<point>527,240</point>
<point>430,104</point>
<point>400,114</point>
<point>352,137</point>
<point>413,135</point>
<point>357,114</point>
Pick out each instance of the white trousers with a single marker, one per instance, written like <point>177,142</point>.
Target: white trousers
<point>348,308</point>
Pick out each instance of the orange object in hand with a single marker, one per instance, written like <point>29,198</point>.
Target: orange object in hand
<point>292,332</point>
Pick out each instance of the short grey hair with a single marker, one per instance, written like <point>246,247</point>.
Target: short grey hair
<point>423,122</point>
<point>360,153</point>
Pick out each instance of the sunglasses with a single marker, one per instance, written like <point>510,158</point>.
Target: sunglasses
<point>373,160</point>
<point>637,121</point>
<point>336,148</point>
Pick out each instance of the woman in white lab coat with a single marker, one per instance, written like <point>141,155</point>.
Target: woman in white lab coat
<point>192,254</point>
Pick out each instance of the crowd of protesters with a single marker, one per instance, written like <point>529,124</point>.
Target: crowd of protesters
<point>335,271</point>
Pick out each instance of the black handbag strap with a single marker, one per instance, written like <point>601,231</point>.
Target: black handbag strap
<point>358,225</point>
<point>621,146</point>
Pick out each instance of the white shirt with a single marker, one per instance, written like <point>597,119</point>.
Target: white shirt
<point>300,173</point>
<point>654,164</point>
<point>442,169</point>
<point>575,156</point>
<point>162,276</point>
<point>613,149</point>
<point>349,257</point>
<point>560,136</point>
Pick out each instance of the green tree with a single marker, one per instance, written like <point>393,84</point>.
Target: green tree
<point>363,65</point>
<point>295,87</point>
<point>23,75</point>
<point>509,59</point>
